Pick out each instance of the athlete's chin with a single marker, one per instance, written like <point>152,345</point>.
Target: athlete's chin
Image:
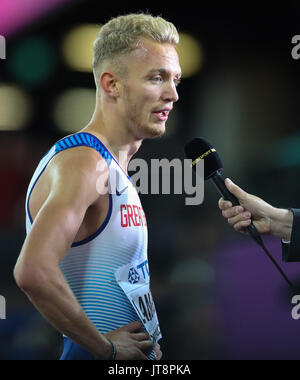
<point>154,130</point>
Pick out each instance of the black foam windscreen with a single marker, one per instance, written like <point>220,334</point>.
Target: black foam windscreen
<point>200,148</point>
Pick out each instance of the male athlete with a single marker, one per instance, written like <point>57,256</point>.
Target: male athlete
<point>84,262</point>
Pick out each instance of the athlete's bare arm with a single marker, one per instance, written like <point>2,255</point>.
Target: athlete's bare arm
<point>71,191</point>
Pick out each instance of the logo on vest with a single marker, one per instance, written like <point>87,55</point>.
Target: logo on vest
<point>133,276</point>
<point>121,191</point>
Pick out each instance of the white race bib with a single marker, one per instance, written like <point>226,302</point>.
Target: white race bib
<point>134,279</point>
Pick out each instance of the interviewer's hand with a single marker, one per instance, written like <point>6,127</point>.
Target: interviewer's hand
<point>239,217</point>
<point>131,342</point>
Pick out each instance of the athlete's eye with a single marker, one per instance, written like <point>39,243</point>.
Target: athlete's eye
<point>177,81</point>
<point>157,79</point>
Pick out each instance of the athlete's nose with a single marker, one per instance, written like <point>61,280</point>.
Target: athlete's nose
<point>170,93</point>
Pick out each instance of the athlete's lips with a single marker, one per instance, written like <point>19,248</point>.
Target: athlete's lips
<point>162,114</point>
<point>164,110</point>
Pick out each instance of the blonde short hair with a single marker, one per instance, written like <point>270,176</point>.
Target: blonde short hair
<point>121,35</point>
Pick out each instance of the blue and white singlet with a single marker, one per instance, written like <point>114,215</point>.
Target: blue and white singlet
<point>116,254</point>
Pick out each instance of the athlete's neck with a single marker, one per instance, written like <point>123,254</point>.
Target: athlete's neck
<point>115,137</point>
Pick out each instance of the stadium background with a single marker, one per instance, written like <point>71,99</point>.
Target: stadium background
<point>217,295</point>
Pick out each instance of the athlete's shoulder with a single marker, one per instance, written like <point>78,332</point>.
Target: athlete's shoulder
<point>79,167</point>
<point>83,139</point>
<point>76,160</point>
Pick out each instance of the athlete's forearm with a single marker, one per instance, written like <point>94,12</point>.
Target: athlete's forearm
<point>54,299</point>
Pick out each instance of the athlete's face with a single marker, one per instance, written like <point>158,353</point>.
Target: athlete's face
<point>150,88</point>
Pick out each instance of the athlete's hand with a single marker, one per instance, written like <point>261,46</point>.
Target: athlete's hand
<point>157,352</point>
<point>131,342</point>
<point>250,207</point>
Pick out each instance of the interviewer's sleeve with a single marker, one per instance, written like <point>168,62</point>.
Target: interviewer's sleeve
<point>291,252</point>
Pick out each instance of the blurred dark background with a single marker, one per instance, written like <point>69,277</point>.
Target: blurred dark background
<point>217,295</point>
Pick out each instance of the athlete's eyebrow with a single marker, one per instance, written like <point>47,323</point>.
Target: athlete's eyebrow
<point>163,71</point>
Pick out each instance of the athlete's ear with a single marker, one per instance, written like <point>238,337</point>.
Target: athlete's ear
<point>109,84</point>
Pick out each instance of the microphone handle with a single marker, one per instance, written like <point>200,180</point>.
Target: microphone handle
<point>219,182</point>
